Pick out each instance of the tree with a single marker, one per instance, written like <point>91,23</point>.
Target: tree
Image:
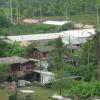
<point>85,90</point>
<point>3,46</point>
<point>4,69</point>
<point>89,53</point>
<point>96,45</point>
<point>14,50</point>
<point>29,49</point>
<point>4,22</point>
<point>62,78</point>
<point>7,49</point>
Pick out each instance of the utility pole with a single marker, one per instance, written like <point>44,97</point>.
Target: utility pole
<point>98,23</point>
<point>33,14</point>
<point>41,14</point>
<point>88,56</point>
<point>7,5</point>
<point>66,14</point>
<point>11,18</point>
<point>71,51</point>
<point>17,15</point>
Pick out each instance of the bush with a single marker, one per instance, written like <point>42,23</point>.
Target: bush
<point>4,69</point>
<point>4,22</point>
<point>86,89</point>
<point>67,27</point>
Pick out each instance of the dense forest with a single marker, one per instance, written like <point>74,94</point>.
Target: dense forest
<point>31,8</point>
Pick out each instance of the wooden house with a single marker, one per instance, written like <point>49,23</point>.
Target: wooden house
<point>41,52</point>
<point>20,67</point>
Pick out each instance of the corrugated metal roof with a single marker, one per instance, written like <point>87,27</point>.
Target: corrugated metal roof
<point>30,21</point>
<point>76,36</point>
<point>45,36</point>
<point>45,48</point>
<point>12,60</point>
<point>79,33</point>
<point>43,72</point>
<point>59,23</point>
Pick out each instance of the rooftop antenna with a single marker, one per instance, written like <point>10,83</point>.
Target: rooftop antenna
<point>98,23</point>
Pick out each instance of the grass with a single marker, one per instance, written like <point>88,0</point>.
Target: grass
<point>85,18</point>
<point>4,94</point>
<point>42,93</point>
<point>36,29</point>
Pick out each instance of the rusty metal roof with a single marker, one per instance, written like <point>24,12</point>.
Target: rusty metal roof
<point>12,60</point>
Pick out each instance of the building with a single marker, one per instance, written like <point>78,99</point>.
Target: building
<point>77,37</point>
<point>43,77</point>
<point>20,67</point>
<point>56,23</point>
<point>41,52</point>
<point>37,38</point>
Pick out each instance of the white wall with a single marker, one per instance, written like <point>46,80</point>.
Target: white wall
<point>46,78</point>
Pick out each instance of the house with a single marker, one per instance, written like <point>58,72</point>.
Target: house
<point>20,67</point>
<point>77,37</point>
<point>57,23</point>
<point>41,52</point>
<point>43,76</point>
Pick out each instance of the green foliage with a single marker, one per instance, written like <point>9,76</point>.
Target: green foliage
<point>63,84</point>
<point>63,81</point>
<point>7,49</point>
<point>29,49</point>
<point>3,72</point>
<point>88,71</point>
<point>86,89</point>
<point>67,27</point>
<point>3,46</point>
<point>90,51</point>
<point>4,22</point>
<point>50,8</point>
<point>14,50</point>
<point>29,29</point>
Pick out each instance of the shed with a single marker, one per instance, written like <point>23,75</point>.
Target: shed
<point>57,23</point>
<point>43,76</point>
<point>33,37</point>
<point>30,21</point>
